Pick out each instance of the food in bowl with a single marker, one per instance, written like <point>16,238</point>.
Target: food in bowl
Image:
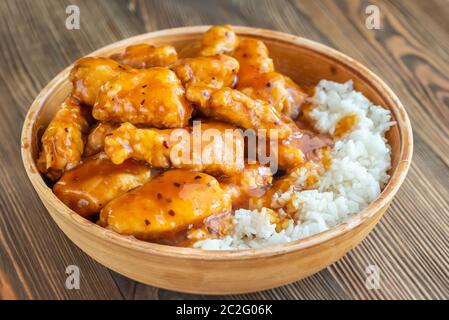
<point>215,150</point>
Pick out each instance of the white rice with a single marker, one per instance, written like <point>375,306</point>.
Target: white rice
<point>357,174</point>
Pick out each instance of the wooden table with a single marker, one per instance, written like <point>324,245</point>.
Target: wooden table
<point>410,246</point>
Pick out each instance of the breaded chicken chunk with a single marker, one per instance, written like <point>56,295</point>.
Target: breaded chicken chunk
<point>218,149</point>
<point>95,139</point>
<point>268,87</point>
<point>143,55</point>
<point>276,89</point>
<point>202,76</point>
<point>295,98</point>
<point>217,71</point>
<point>63,140</point>
<point>251,182</point>
<point>89,74</point>
<point>237,108</point>
<point>258,79</point>
<point>172,202</point>
<point>304,177</point>
<point>200,93</point>
<point>301,146</point>
<point>252,55</point>
<point>217,40</point>
<point>91,185</point>
<point>153,97</point>
<point>129,142</point>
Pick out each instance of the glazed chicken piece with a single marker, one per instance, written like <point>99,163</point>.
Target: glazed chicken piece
<point>143,55</point>
<point>202,76</point>
<point>301,146</point>
<point>237,108</point>
<point>276,89</point>
<point>217,40</point>
<point>63,140</point>
<point>215,227</point>
<point>89,74</point>
<point>91,185</point>
<point>252,55</point>
<point>217,71</point>
<point>172,202</point>
<point>300,178</point>
<point>251,182</point>
<point>129,142</point>
<point>95,139</point>
<point>258,80</point>
<point>199,94</point>
<point>294,99</point>
<point>210,152</point>
<point>153,97</point>
<point>269,87</point>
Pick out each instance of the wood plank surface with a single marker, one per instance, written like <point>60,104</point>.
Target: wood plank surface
<point>410,246</point>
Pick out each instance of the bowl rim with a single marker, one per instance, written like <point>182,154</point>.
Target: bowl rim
<point>387,194</point>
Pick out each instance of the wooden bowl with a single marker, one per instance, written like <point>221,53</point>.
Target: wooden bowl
<point>225,272</point>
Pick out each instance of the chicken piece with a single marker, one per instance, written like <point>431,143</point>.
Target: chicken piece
<point>218,225</point>
<point>174,201</point>
<point>304,177</point>
<point>301,146</point>
<point>237,108</point>
<point>89,74</point>
<point>202,76</point>
<point>289,152</point>
<point>276,89</point>
<point>215,148</point>
<point>217,71</point>
<point>95,139</point>
<point>153,97</point>
<point>199,93</point>
<point>63,140</point>
<point>294,100</point>
<point>129,142</point>
<point>269,87</point>
<point>222,147</point>
<point>215,226</point>
<point>257,68</point>
<point>91,185</point>
<point>142,55</point>
<point>253,58</point>
<point>217,40</point>
<point>251,182</point>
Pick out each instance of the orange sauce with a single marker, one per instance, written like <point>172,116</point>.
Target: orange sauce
<point>345,124</point>
<point>211,227</point>
<point>308,142</point>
